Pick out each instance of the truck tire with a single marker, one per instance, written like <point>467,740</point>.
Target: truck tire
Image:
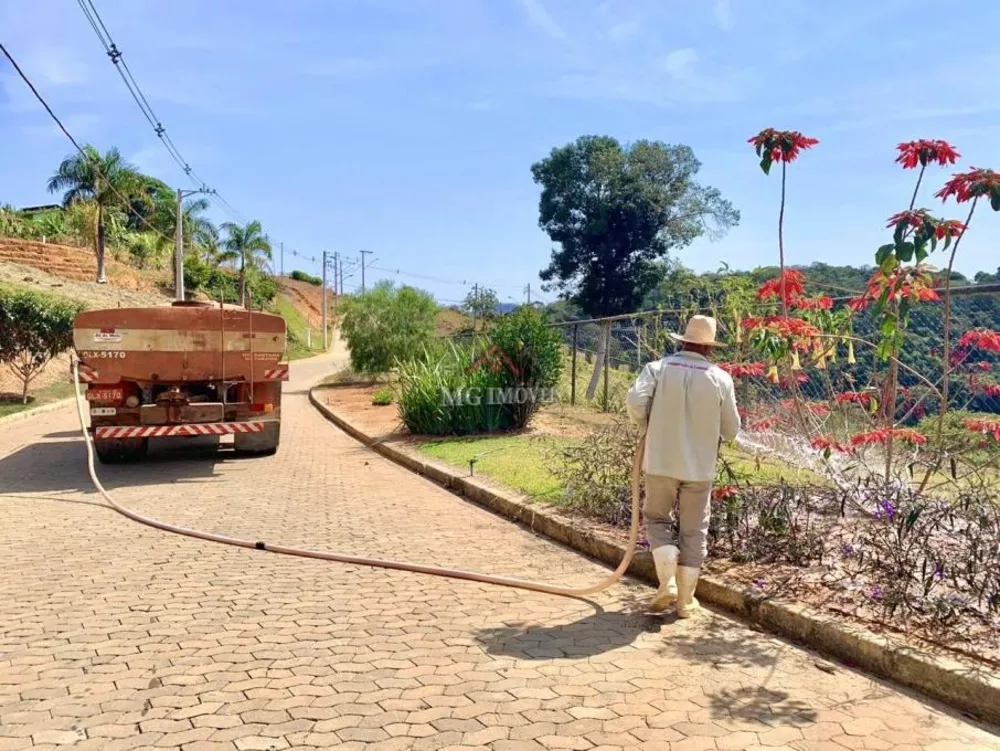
<point>264,443</point>
<point>120,450</point>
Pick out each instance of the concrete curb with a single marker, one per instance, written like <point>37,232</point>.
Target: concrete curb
<point>50,407</point>
<point>965,687</point>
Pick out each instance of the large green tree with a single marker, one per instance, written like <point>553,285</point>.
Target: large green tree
<point>247,246</point>
<point>108,181</point>
<point>615,212</point>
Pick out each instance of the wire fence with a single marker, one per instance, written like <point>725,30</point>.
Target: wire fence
<point>606,354</point>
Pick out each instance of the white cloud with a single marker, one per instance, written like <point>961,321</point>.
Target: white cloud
<point>722,10</point>
<point>679,64</point>
<point>622,32</point>
<point>539,17</point>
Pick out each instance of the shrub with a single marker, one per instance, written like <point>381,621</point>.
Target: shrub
<point>533,356</point>
<point>382,398</point>
<point>34,328</point>
<point>428,387</point>
<point>387,325</point>
<point>221,284</point>
<point>302,276</point>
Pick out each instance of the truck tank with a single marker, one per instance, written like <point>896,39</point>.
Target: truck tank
<point>181,370</point>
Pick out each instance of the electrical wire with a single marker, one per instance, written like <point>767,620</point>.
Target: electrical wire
<point>94,163</point>
<point>93,17</point>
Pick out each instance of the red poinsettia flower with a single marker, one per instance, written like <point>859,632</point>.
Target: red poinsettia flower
<point>948,228</point>
<point>824,443</point>
<point>883,435</point>
<point>985,339</point>
<point>766,424</point>
<point>925,151</point>
<point>858,304</point>
<point>863,398</point>
<point>984,365</point>
<point>794,286</point>
<point>723,492</point>
<point>915,219</point>
<point>975,183</point>
<point>984,426</point>
<point>774,145</point>
<point>799,378</point>
<point>813,303</point>
<point>743,370</point>
<point>992,390</point>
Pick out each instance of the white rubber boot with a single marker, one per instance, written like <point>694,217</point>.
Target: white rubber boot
<point>687,582</point>
<point>665,559</point>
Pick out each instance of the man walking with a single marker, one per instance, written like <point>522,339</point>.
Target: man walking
<point>688,406</point>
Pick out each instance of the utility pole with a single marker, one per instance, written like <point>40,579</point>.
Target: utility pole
<point>179,248</point>
<point>363,253</point>
<point>282,246</point>
<point>341,277</point>
<point>179,241</point>
<point>336,273</point>
<point>528,290</point>
<point>324,302</point>
<point>475,304</point>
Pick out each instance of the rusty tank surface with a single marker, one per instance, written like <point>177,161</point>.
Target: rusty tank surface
<point>179,370</point>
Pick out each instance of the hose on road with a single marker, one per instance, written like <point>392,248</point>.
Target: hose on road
<point>503,581</point>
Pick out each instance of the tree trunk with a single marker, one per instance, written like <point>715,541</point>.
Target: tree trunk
<point>99,243</point>
<point>243,281</point>
<point>602,345</point>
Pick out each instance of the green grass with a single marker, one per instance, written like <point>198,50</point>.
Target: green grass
<point>517,461</point>
<point>619,382</point>
<point>297,327</point>
<point>42,396</point>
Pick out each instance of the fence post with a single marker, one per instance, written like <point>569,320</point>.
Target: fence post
<point>607,364</point>
<point>572,387</point>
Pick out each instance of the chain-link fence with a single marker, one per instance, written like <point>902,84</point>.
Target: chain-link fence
<point>834,392</point>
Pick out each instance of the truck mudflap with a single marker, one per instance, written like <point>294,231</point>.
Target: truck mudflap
<point>186,429</point>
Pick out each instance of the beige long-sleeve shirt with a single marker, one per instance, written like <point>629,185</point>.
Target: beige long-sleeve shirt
<point>691,405</point>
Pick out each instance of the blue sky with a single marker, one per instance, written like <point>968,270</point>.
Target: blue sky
<point>408,127</point>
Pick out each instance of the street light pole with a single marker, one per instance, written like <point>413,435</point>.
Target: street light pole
<point>179,241</point>
<point>363,253</point>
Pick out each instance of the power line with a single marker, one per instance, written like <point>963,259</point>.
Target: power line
<point>84,154</point>
<point>114,53</point>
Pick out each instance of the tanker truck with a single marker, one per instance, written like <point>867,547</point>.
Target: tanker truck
<point>181,370</point>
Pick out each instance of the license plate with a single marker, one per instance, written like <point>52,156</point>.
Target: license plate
<point>103,411</point>
<point>105,395</point>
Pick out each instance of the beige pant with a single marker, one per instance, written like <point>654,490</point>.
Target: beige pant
<point>693,504</point>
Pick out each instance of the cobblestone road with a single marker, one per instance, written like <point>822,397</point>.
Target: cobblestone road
<point>116,636</point>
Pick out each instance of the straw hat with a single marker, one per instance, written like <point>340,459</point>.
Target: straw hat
<point>700,330</point>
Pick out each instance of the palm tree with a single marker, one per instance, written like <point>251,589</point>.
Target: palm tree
<point>103,180</point>
<point>247,245</point>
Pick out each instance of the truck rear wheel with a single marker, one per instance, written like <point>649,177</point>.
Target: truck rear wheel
<point>120,450</point>
<point>260,444</point>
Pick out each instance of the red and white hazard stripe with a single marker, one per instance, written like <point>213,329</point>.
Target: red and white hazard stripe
<point>192,429</point>
<point>87,374</point>
<point>279,373</point>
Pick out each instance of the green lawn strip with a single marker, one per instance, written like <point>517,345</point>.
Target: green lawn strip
<point>297,327</point>
<point>517,461</point>
<point>42,396</point>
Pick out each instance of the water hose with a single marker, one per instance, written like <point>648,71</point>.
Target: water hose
<point>374,562</point>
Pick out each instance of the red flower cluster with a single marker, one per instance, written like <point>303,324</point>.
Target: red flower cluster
<point>786,381</point>
<point>822,302</point>
<point>794,286</point>
<point>863,398</point>
<point>816,409</point>
<point>883,435</point>
<point>743,370</point>
<point>920,219</point>
<point>985,339</point>
<point>823,442</point>
<point>723,492</point>
<point>925,151</point>
<point>992,390</point>
<point>972,184</point>
<point>766,424</point>
<point>915,283</point>
<point>984,426</point>
<point>781,145</point>
<point>984,365</point>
